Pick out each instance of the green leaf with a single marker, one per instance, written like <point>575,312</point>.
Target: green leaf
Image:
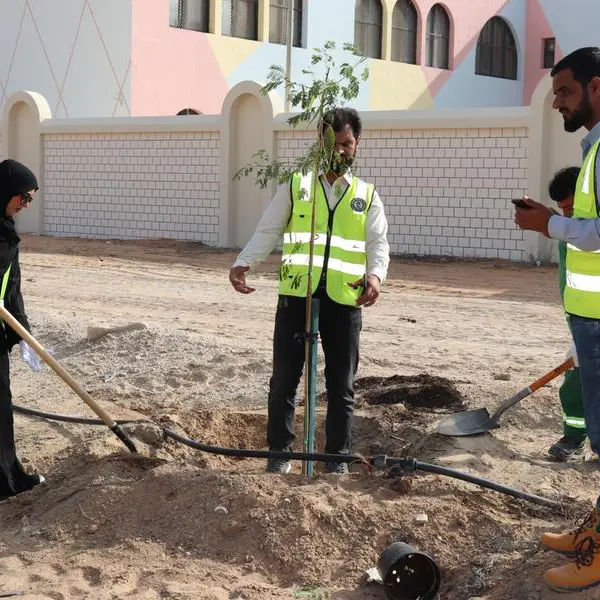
<point>312,99</point>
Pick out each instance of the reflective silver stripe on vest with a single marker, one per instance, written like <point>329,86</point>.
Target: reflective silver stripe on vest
<point>348,245</point>
<point>302,259</point>
<point>321,240</point>
<point>304,238</point>
<point>576,249</point>
<point>362,188</point>
<point>583,283</point>
<point>334,264</point>
<point>585,185</point>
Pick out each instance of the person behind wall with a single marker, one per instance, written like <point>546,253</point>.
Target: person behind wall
<point>351,262</point>
<point>562,191</point>
<point>17,188</point>
<point>576,87</point>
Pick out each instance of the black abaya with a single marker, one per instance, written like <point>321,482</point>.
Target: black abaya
<point>15,179</point>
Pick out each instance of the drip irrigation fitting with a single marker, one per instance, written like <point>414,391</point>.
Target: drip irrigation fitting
<point>401,466</point>
<point>411,465</point>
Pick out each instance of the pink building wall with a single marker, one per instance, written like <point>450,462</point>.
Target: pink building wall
<point>171,69</point>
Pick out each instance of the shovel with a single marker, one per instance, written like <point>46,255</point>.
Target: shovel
<point>471,422</point>
<point>66,377</point>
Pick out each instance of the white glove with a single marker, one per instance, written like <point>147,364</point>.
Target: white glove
<point>29,355</point>
<point>572,353</point>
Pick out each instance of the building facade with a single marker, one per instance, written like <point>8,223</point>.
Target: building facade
<point>103,58</point>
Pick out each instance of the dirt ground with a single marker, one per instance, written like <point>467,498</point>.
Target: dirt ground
<point>177,523</point>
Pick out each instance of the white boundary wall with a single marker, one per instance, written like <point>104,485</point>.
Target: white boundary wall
<point>446,181</point>
<point>446,177</point>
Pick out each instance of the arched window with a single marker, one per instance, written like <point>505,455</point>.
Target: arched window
<point>278,11</point>
<point>368,27</point>
<point>438,38</point>
<point>189,14</point>
<point>404,32</point>
<point>240,18</point>
<point>496,50</point>
<point>188,111</point>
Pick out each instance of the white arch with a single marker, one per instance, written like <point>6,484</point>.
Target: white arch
<point>542,89</point>
<point>36,102</point>
<point>22,115</point>
<point>271,102</point>
<point>271,105</point>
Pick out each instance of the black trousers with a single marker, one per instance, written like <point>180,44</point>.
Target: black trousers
<point>13,478</point>
<point>339,327</point>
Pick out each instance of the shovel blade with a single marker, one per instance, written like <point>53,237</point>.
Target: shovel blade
<point>469,422</point>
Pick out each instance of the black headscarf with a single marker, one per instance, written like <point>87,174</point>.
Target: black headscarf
<point>15,179</point>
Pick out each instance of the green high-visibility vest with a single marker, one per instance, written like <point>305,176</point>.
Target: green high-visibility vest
<point>340,240</point>
<point>582,290</point>
<point>5,279</point>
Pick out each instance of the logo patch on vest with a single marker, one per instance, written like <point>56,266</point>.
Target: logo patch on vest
<point>358,205</point>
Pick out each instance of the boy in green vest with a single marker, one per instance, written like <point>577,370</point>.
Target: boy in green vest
<point>562,191</point>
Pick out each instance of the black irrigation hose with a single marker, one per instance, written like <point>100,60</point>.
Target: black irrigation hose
<point>380,461</point>
<point>243,453</point>
<point>67,419</point>
<point>237,452</point>
<point>492,485</point>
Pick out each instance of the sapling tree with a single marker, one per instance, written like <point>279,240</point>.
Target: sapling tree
<point>324,86</point>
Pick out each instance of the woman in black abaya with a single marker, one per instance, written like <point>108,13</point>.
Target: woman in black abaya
<point>17,188</point>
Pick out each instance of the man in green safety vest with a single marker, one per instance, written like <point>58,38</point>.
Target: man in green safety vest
<point>351,257</point>
<point>576,86</point>
<point>562,191</point>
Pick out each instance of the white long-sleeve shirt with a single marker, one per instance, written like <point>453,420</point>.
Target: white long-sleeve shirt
<point>274,220</point>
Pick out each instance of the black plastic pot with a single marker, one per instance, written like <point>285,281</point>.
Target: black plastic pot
<point>408,574</point>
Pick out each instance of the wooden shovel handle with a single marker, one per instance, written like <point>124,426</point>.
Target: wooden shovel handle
<point>544,379</point>
<point>536,385</point>
<point>66,377</point>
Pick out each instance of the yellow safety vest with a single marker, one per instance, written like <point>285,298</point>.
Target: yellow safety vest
<point>5,279</point>
<point>582,289</point>
<point>340,240</point>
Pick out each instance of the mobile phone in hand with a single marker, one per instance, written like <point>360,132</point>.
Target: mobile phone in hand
<point>520,203</point>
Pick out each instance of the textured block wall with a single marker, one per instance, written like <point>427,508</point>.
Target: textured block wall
<point>132,185</point>
<point>447,192</point>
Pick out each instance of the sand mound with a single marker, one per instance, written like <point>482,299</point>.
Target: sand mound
<point>180,524</point>
<point>286,530</point>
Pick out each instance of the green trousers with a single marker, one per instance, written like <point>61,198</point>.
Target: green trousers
<point>572,405</point>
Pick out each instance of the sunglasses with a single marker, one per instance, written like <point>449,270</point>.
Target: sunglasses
<point>26,198</point>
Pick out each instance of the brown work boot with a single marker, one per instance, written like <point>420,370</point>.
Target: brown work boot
<point>566,543</point>
<point>581,574</point>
